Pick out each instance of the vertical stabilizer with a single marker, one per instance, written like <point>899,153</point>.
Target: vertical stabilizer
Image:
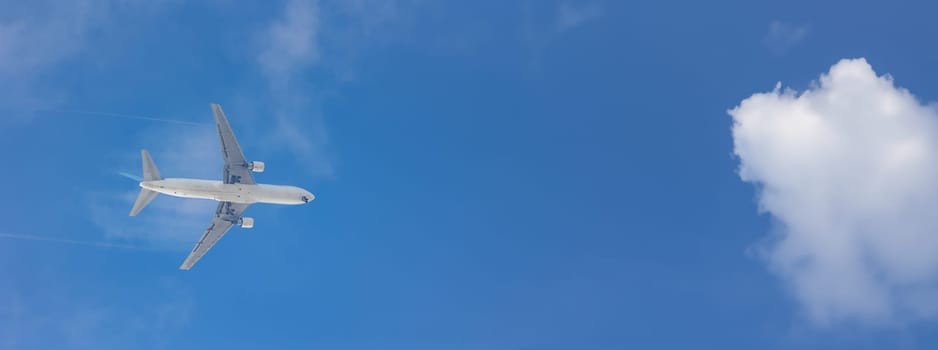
<point>150,172</point>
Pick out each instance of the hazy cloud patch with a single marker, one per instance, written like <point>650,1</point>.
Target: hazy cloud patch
<point>572,15</point>
<point>52,319</point>
<point>36,37</point>
<point>290,43</point>
<point>322,36</point>
<point>168,222</point>
<point>783,36</point>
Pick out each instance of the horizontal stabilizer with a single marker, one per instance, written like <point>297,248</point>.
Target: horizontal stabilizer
<point>145,197</point>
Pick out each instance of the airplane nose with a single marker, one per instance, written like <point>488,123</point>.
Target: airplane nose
<point>308,197</point>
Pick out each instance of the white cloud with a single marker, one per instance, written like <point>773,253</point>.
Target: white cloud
<point>783,36</point>
<point>570,15</point>
<point>849,169</point>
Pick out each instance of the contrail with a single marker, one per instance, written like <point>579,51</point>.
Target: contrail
<point>68,241</point>
<point>124,116</point>
<point>130,176</point>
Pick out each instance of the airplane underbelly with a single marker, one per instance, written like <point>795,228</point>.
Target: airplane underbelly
<point>276,194</point>
<point>187,193</point>
<point>232,197</point>
<point>236,193</point>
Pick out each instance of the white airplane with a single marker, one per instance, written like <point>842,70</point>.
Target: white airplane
<point>234,194</point>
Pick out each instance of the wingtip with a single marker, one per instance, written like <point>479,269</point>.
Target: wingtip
<point>186,265</point>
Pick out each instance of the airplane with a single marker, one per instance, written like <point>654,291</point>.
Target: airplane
<point>235,193</point>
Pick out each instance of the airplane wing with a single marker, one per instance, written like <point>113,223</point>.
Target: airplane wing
<point>226,216</point>
<point>237,169</point>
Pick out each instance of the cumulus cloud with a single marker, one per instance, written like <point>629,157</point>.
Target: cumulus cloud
<point>849,170</point>
<point>783,36</point>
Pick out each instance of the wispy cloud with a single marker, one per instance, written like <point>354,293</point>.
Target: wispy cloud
<point>35,40</point>
<point>37,36</point>
<point>290,43</point>
<point>571,15</point>
<point>168,222</point>
<point>543,23</point>
<point>285,50</point>
<point>290,46</point>
<point>372,22</point>
<point>40,36</point>
<point>783,36</point>
<point>294,44</point>
<point>52,320</point>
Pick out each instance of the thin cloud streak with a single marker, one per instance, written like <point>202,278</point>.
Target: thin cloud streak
<point>69,241</point>
<point>122,116</point>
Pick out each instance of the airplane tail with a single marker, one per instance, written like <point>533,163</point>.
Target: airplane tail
<point>150,173</point>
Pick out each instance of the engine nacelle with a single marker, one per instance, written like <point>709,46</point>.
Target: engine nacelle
<point>256,166</point>
<point>246,222</point>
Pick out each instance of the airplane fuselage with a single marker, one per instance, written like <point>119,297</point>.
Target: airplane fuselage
<point>236,193</point>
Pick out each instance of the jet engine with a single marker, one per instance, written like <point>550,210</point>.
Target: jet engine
<point>246,222</point>
<point>257,166</point>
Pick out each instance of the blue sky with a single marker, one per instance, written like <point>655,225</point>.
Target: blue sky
<point>489,175</point>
